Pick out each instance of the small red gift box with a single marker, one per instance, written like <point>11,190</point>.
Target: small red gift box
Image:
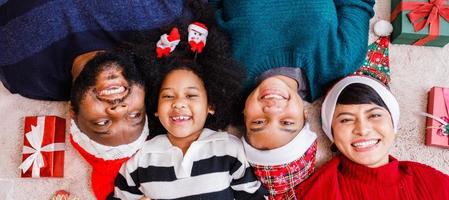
<point>43,147</point>
<point>437,122</point>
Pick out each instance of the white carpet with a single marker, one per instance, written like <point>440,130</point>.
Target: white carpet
<point>414,71</point>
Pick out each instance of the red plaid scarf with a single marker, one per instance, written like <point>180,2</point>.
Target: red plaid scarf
<point>281,180</point>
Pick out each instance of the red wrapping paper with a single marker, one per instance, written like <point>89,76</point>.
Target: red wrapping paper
<point>438,106</point>
<point>43,150</point>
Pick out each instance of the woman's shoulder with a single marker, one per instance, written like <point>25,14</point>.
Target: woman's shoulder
<point>421,170</point>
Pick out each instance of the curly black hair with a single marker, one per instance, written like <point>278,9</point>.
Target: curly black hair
<point>102,61</point>
<point>222,76</point>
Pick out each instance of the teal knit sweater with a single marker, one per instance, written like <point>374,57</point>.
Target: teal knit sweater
<point>326,39</point>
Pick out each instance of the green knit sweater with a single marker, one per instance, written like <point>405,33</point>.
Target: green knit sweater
<point>326,39</point>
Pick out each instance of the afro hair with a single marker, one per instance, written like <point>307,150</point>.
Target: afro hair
<point>222,76</point>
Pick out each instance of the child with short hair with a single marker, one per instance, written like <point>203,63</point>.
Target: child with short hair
<point>197,83</point>
<point>292,50</point>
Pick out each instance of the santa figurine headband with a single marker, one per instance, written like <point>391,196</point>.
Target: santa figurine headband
<point>167,43</point>
<point>197,36</point>
<point>197,40</point>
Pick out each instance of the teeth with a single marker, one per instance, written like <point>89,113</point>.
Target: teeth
<point>112,90</point>
<point>272,96</point>
<point>180,118</point>
<point>365,143</point>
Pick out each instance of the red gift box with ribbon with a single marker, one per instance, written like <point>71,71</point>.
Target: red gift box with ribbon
<point>43,147</point>
<point>437,130</point>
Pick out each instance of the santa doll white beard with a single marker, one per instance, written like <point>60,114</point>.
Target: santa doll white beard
<point>107,152</point>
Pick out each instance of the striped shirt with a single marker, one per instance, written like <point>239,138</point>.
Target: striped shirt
<point>214,167</point>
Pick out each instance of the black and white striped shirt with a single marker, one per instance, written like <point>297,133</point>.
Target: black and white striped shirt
<point>214,167</point>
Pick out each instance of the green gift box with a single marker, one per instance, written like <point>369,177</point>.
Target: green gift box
<point>404,33</point>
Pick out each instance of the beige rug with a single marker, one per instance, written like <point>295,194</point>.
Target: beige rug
<point>414,71</point>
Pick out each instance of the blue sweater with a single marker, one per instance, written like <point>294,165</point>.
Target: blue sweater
<point>326,39</point>
<point>40,39</point>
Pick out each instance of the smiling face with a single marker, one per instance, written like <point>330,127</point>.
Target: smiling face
<point>274,113</point>
<point>112,112</point>
<point>363,133</point>
<point>183,106</point>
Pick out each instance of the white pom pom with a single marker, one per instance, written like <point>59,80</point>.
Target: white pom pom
<point>383,28</point>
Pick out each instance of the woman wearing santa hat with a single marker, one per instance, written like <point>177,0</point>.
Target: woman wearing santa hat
<point>360,116</point>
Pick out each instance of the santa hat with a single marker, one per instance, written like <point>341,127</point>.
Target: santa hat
<point>198,27</point>
<point>173,36</point>
<point>377,62</point>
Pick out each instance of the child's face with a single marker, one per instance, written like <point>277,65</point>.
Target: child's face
<point>182,104</point>
<point>363,133</point>
<point>274,113</point>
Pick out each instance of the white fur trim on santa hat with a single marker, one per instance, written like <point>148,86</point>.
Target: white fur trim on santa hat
<point>330,101</point>
<point>282,155</point>
<point>199,29</point>
<point>383,28</point>
<point>107,152</point>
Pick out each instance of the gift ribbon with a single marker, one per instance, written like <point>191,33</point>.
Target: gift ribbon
<point>444,128</point>
<point>423,14</point>
<point>35,137</point>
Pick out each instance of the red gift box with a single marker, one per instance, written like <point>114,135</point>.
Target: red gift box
<point>438,117</point>
<point>43,147</point>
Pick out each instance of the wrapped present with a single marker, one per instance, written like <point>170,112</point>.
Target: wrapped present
<point>43,147</point>
<point>437,130</point>
<point>420,22</point>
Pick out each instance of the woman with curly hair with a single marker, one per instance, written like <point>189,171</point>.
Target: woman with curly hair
<point>193,82</point>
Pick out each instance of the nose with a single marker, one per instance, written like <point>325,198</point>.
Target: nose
<point>273,107</point>
<point>179,104</point>
<point>362,127</point>
<point>117,110</point>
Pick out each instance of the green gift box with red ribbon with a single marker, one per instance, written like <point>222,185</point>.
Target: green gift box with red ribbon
<point>420,22</point>
<point>437,123</point>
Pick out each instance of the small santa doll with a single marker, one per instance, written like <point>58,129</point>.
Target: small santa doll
<point>167,43</point>
<point>197,36</point>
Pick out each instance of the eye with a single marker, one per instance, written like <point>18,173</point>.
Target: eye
<point>343,121</point>
<point>287,123</point>
<point>192,96</point>
<point>375,115</point>
<point>135,115</point>
<point>166,96</point>
<point>102,123</point>
<point>258,122</point>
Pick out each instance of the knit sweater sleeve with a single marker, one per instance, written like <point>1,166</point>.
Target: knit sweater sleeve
<point>244,182</point>
<point>353,25</point>
<point>127,182</point>
<point>326,39</point>
<point>40,39</point>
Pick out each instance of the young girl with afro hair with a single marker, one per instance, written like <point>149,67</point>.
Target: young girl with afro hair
<point>193,84</point>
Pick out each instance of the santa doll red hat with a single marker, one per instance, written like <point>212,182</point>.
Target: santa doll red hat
<point>167,43</point>
<point>197,36</point>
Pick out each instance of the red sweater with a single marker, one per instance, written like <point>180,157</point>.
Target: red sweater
<point>341,178</point>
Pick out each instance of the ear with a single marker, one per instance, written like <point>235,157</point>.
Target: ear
<point>70,111</point>
<point>210,110</point>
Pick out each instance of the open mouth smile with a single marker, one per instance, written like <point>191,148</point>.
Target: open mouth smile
<point>365,145</point>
